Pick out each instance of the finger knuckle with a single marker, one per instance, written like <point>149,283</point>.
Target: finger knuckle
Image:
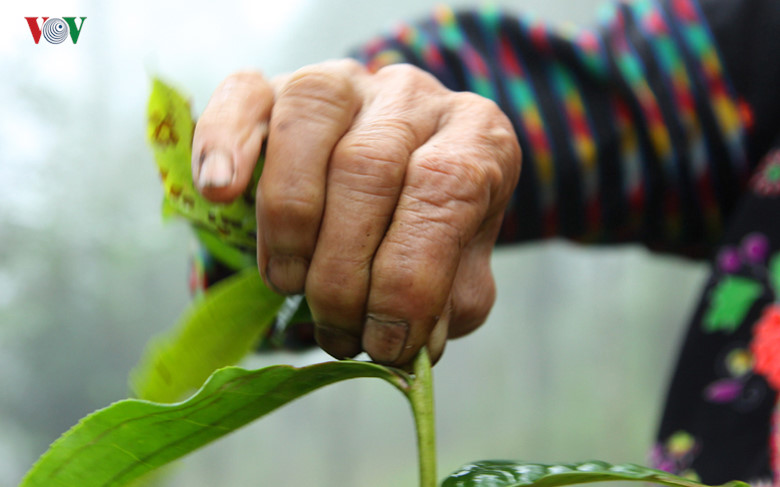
<point>406,276</point>
<point>436,222</point>
<point>289,208</point>
<point>408,78</point>
<point>244,77</point>
<point>476,105</point>
<point>333,281</point>
<point>446,200</point>
<point>501,137</point>
<point>485,114</point>
<point>375,160</point>
<point>386,145</point>
<point>454,178</point>
<point>488,140</point>
<point>319,91</point>
<point>333,305</point>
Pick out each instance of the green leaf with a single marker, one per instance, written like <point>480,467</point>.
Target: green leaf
<point>502,473</point>
<point>132,437</point>
<point>302,314</point>
<point>218,329</point>
<point>170,127</point>
<point>229,255</point>
<point>731,300</point>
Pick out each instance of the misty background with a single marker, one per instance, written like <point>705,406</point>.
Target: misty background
<point>572,364</point>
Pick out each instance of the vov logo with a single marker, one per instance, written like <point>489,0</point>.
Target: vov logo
<point>55,30</point>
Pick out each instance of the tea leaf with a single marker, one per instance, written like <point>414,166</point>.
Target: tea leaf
<point>170,127</point>
<point>115,445</point>
<point>503,473</point>
<point>218,329</point>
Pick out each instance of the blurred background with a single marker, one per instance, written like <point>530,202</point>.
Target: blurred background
<point>572,364</point>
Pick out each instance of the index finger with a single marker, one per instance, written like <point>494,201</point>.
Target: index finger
<point>229,135</point>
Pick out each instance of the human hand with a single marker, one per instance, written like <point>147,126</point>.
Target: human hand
<point>381,198</point>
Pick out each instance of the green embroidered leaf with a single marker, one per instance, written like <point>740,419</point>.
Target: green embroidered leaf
<point>117,444</point>
<point>730,301</point>
<point>218,329</point>
<point>169,130</point>
<point>500,473</point>
<point>774,273</point>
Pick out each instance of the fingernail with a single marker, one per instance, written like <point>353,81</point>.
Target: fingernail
<point>287,273</point>
<point>216,169</point>
<point>384,337</point>
<point>336,342</point>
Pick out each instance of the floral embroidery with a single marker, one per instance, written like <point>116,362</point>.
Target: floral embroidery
<point>734,344</point>
<point>742,277</point>
<point>766,345</point>
<point>766,181</point>
<point>739,364</point>
<point>676,455</point>
<point>744,282</point>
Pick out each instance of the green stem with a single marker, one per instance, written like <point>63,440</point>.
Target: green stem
<point>420,396</point>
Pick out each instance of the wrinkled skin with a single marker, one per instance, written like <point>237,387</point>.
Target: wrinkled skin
<point>381,198</point>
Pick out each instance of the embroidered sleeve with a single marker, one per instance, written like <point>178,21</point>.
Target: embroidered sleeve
<point>630,131</point>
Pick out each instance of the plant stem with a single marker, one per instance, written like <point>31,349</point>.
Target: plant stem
<point>420,396</point>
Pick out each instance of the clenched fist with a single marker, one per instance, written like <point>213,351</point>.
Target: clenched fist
<point>381,198</point>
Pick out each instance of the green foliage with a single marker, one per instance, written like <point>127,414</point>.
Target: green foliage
<point>169,130</point>
<point>231,256</point>
<point>132,437</point>
<point>219,329</point>
<point>228,320</point>
<point>499,473</point>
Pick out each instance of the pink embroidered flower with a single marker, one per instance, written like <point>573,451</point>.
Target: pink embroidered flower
<point>766,345</point>
<point>766,181</point>
<point>676,455</point>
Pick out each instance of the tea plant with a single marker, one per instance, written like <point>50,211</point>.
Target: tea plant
<point>131,438</point>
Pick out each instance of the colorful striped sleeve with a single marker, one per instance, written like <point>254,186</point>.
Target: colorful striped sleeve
<point>631,131</point>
